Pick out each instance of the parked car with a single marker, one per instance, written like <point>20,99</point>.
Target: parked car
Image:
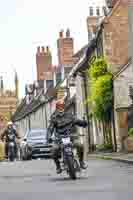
<point>24,155</point>
<point>35,145</point>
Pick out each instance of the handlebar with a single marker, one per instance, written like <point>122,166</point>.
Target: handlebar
<point>61,136</point>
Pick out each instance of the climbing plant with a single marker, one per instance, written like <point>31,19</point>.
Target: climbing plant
<point>101,90</point>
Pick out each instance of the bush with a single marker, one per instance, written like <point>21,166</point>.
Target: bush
<point>130,132</point>
<point>104,147</point>
<point>101,96</point>
<point>101,91</point>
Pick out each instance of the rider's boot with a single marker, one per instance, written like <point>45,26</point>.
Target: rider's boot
<point>83,165</point>
<point>58,167</point>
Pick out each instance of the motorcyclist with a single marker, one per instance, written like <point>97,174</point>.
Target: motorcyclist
<point>60,122</point>
<point>9,130</point>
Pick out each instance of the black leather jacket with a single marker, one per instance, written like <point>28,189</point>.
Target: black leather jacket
<point>62,122</point>
<point>9,131</point>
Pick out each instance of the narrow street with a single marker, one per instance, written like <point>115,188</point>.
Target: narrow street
<point>38,180</point>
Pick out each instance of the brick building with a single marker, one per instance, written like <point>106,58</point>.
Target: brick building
<point>130,28</point>
<point>96,12</point>
<point>117,40</point>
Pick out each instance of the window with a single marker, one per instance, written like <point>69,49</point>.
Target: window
<point>37,133</point>
<point>49,83</point>
<point>91,11</point>
<point>98,11</point>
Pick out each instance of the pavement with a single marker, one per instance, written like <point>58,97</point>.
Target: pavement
<point>121,157</point>
<point>37,180</point>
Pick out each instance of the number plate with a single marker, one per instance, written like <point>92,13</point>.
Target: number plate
<point>66,140</point>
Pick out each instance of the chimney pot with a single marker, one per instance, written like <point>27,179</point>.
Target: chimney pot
<point>38,49</point>
<point>68,33</point>
<point>47,49</point>
<point>43,49</point>
<point>61,34</point>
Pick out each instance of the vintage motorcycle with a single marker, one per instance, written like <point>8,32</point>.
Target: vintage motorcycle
<point>68,155</point>
<point>70,161</point>
<point>11,147</point>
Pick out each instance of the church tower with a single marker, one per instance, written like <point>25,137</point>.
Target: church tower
<point>1,86</point>
<point>16,85</point>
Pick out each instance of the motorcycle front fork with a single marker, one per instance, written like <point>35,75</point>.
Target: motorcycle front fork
<point>76,165</point>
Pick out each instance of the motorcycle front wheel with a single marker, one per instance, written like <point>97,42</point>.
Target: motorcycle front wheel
<point>11,154</point>
<point>71,168</point>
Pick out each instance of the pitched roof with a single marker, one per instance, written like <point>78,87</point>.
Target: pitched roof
<point>123,68</point>
<point>81,51</point>
<point>25,109</point>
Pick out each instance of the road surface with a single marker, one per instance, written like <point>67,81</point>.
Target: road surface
<point>37,180</point>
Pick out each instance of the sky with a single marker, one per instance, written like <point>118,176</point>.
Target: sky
<point>26,24</point>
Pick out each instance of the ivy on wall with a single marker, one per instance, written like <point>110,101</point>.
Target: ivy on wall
<point>101,89</point>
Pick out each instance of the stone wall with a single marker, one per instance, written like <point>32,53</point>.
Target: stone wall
<point>121,103</point>
<point>38,119</point>
<point>121,87</point>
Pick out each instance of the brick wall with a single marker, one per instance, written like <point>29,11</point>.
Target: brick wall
<point>65,46</point>
<point>130,28</point>
<point>91,25</point>
<point>116,35</point>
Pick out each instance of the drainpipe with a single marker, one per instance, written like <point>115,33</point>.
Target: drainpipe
<point>114,129</point>
<point>46,114</point>
<point>29,123</point>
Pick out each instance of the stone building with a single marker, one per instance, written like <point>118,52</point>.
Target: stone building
<point>8,103</point>
<point>123,80</point>
<point>117,38</point>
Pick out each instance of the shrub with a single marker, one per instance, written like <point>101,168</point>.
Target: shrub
<point>130,132</point>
